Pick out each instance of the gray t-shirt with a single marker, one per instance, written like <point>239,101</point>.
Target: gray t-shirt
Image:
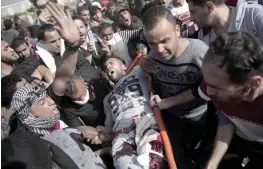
<point>180,74</point>
<point>245,18</point>
<point>129,99</point>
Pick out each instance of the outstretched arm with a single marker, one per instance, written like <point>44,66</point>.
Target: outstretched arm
<point>69,32</point>
<point>43,73</point>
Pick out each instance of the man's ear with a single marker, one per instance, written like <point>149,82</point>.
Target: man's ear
<point>255,82</point>
<point>123,67</point>
<point>209,7</point>
<point>178,30</point>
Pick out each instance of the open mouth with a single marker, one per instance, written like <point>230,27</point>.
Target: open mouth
<point>81,36</point>
<point>111,72</point>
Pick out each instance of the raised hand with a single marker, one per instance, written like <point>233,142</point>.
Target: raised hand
<point>65,25</point>
<point>44,16</point>
<point>105,48</point>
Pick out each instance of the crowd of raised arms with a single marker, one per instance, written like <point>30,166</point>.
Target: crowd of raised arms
<point>72,96</point>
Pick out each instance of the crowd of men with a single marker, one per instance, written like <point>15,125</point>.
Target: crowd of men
<point>68,101</point>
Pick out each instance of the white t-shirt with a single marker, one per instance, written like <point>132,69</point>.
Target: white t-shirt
<point>128,99</point>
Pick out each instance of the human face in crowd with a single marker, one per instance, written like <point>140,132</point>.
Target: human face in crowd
<point>44,107</point>
<point>18,23</point>
<point>97,16</point>
<point>82,29</point>
<point>163,39</point>
<point>125,18</point>
<point>115,69</point>
<point>85,16</point>
<point>52,42</point>
<point>220,86</point>
<point>106,34</point>
<point>111,10</point>
<point>7,53</point>
<point>201,15</point>
<point>23,50</point>
<point>166,3</point>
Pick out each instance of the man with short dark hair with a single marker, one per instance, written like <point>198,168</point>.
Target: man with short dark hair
<point>20,26</point>
<point>29,63</point>
<point>233,80</point>
<point>21,47</point>
<point>84,13</point>
<point>175,64</point>
<point>118,42</point>
<point>97,17</point>
<point>8,58</point>
<point>9,33</point>
<point>214,17</point>
<point>50,38</point>
<point>110,11</point>
<point>125,20</point>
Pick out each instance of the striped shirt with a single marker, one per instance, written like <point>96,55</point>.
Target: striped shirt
<point>127,35</point>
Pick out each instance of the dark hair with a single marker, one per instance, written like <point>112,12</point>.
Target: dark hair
<point>17,42</point>
<point>8,88</point>
<point>110,4</point>
<point>8,23</point>
<point>104,26</point>
<point>34,30</point>
<point>94,9</point>
<point>203,2</point>
<point>239,53</point>
<point>16,18</point>
<point>72,86</point>
<point>43,29</point>
<point>153,15</point>
<point>148,6</point>
<point>77,17</point>
<point>85,7</point>
<point>113,56</point>
<point>39,12</point>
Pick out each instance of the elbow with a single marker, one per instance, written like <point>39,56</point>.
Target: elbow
<point>226,132</point>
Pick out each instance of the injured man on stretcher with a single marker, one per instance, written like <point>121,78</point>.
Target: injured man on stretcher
<point>130,124</point>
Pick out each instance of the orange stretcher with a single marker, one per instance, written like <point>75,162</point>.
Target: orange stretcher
<point>167,144</point>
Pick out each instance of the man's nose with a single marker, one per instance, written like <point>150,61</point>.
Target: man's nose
<point>159,48</point>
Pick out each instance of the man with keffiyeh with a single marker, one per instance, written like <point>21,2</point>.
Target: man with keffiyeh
<point>39,115</point>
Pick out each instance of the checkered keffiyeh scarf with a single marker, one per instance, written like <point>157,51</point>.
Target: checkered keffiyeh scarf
<point>21,104</point>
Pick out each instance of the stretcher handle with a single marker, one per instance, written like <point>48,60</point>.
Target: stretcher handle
<point>163,132</point>
<point>165,138</point>
<point>134,62</point>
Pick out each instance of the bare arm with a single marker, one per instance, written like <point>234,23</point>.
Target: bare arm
<point>177,99</point>
<point>65,71</point>
<point>69,32</point>
<point>43,72</point>
<point>225,133</point>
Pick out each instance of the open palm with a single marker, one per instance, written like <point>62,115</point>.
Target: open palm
<point>65,25</point>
